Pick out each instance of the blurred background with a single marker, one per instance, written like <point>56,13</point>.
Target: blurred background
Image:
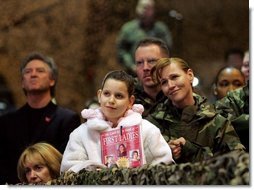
<point>81,37</point>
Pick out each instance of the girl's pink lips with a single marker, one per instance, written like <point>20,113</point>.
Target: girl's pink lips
<point>109,107</point>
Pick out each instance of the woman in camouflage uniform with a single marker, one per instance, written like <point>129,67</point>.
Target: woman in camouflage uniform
<point>191,126</point>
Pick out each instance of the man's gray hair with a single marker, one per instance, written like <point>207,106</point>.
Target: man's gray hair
<point>47,60</point>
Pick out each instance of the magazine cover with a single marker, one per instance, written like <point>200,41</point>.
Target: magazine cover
<point>122,147</point>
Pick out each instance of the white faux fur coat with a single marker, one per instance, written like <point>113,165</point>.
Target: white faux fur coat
<point>84,150</point>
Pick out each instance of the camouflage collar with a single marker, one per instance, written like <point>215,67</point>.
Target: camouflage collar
<point>201,108</point>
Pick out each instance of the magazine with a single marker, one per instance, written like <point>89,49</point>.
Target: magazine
<point>122,147</point>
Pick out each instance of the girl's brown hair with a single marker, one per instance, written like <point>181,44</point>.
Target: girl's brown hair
<point>121,76</point>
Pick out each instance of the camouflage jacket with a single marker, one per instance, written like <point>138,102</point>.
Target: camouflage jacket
<point>131,33</point>
<point>235,104</point>
<point>235,107</point>
<point>141,97</point>
<point>206,132</point>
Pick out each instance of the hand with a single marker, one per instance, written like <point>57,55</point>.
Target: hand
<point>176,147</point>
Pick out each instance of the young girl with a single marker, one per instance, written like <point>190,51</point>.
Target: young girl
<point>116,113</point>
<point>39,163</point>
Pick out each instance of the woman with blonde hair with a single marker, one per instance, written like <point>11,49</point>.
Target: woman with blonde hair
<point>39,163</point>
<point>190,125</point>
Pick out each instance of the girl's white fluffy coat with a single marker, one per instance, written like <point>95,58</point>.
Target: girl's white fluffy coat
<point>84,150</point>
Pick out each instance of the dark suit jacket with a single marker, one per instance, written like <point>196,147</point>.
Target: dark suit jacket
<point>17,132</point>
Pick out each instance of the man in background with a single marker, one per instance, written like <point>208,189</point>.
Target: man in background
<point>147,92</point>
<point>38,120</point>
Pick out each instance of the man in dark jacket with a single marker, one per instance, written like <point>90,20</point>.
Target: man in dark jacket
<point>40,119</point>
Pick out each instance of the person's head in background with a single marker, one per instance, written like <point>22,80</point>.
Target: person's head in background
<point>227,79</point>
<point>92,103</point>
<point>176,79</point>
<point>39,163</point>
<point>234,57</point>
<point>245,66</point>
<point>145,11</point>
<point>116,95</point>
<point>37,65</point>
<point>148,51</point>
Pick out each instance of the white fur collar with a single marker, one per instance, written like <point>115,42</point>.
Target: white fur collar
<point>96,119</point>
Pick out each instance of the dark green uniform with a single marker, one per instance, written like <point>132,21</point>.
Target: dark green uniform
<point>206,132</point>
<point>235,106</point>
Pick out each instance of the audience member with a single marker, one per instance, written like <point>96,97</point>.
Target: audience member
<point>191,126</point>
<point>147,92</point>
<point>38,120</point>
<point>234,57</point>
<point>228,78</point>
<point>39,163</point>
<point>235,107</point>
<point>116,112</point>
<point>245,66</point>
<point>145,25</point>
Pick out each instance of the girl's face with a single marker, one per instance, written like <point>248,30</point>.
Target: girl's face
<point>229,79</point>
<point>37,173</point>
<point>114,100</point>
<point>176,84</point>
